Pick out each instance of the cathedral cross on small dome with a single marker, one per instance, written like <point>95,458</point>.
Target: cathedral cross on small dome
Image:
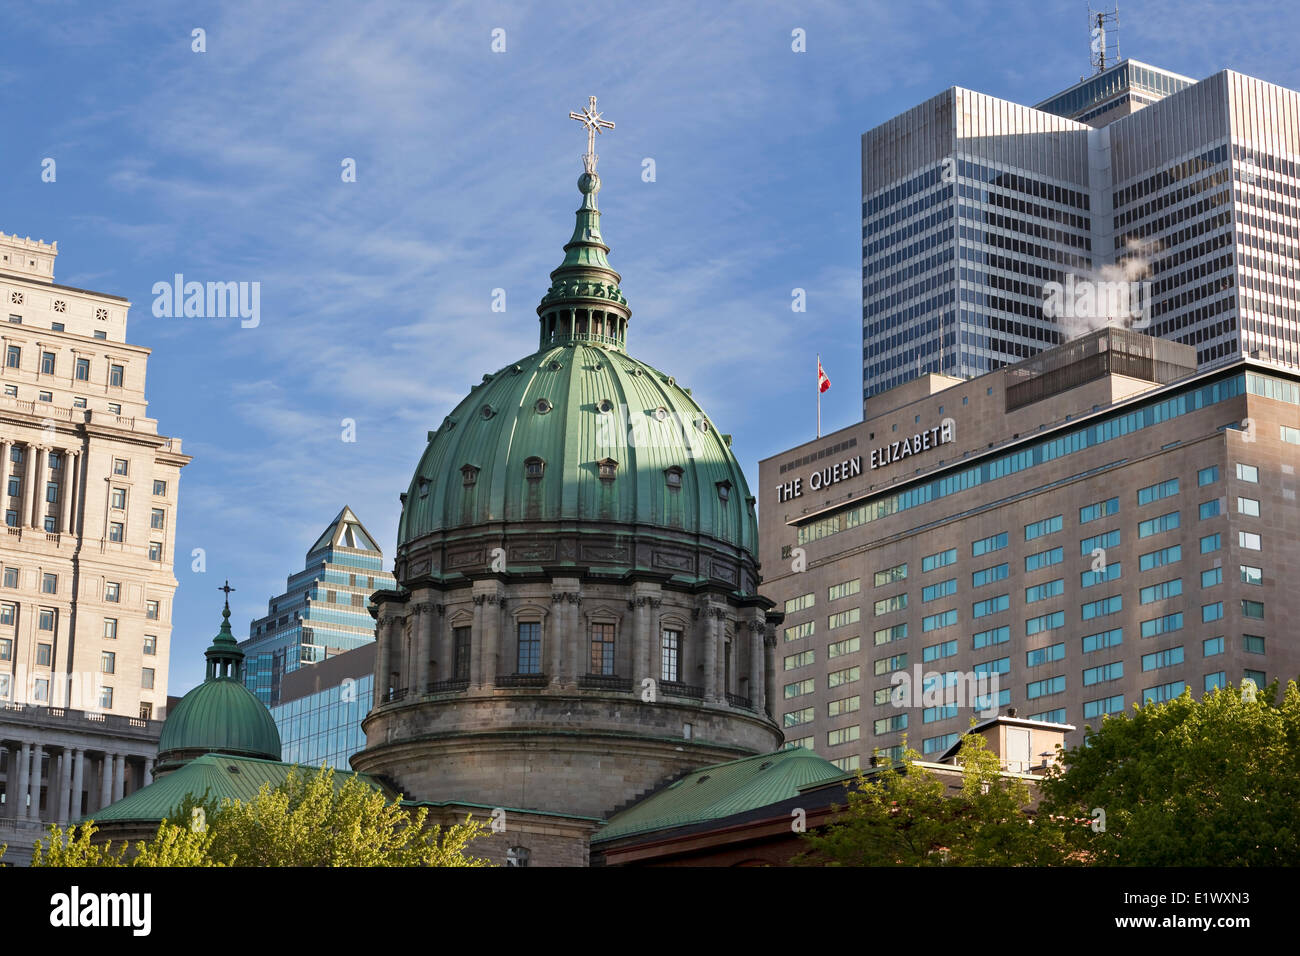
<point>227,588</point>
<point>591,119</point>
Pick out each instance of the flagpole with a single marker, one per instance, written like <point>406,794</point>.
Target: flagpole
<point>819,394</point>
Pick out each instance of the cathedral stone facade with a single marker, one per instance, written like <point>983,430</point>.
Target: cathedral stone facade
<point>576,620</point>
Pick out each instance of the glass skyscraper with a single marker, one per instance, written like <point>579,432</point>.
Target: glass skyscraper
<point>323,610</point>
<point>321,708</point>
<point>972,203</point>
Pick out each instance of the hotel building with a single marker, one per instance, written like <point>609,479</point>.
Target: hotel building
<point>1092,528</point>
<point>970,204</point>
<point>89,497</point>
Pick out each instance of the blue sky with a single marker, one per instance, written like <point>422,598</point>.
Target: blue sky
<point>376,295</point>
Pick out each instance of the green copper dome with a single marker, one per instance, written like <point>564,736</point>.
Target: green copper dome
<point>579,430</point>
<point>221,715</point>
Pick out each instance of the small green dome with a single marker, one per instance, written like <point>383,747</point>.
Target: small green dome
<point>221,715</point>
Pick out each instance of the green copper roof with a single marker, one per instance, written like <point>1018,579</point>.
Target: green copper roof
<point>220,715</point>
<point>579,430</point>
<point>219,775</point>
<point>722,790</point>
<point>573,407</point>
<point>223,716</point>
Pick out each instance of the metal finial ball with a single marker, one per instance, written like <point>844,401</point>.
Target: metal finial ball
<point>588,183</point>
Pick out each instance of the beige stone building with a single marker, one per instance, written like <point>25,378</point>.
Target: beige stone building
<point>89,499</point>
<point>1093,528</point>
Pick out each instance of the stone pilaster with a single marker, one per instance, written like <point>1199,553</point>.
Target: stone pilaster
<point>710,622</point>
<point>78,781</point>
<point>493,640</point>
<point>476,665</point>
<point>34,787</point>
<point>566,598</point>
<point>65,491</point>
<point>382,658</point>
<point>769,668</point>
<point>65,786</point>
<point>757,690</point>
<point>423,646</point>
<point>644,605</point>
<point>105,781</point>
<point>6,446</point>
<point>38,488</point>
<point>24,779</point>
<point>29,484</point>
<point>119,776</point>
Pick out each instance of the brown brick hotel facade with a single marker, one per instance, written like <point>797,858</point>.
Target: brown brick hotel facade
<point>1095,527</point>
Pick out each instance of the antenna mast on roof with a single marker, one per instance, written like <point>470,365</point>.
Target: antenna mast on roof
<point>1103,27</point>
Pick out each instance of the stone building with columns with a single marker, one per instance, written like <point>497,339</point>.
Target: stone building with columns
<point>576,620</point>
<point>57,764</point>
<point>89,498</point>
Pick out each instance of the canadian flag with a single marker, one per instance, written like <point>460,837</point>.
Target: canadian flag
<point>823,380</point>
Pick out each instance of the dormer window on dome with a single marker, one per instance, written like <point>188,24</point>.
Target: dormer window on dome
<point>543,406</point>
<point>605,405</point>
<point>673,476</point>
<point>533,468</point>
<point>724,490</point>
<point>661,414</point>
<point>487,412</point>
<point>608,469</point>
<point>424,487</point>
<point>468,475</point>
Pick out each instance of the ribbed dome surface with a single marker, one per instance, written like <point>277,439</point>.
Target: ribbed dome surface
<point>574,406</point>
<point>220,716</point>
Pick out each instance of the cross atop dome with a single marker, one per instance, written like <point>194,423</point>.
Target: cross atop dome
<point>591,119</point>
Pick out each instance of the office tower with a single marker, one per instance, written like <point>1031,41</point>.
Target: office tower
<point>323,611</point>
<point>973,204</point>
<point>321,708</point>
<point>89,497</point>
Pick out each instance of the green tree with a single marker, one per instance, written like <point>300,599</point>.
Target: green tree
<point>73,847</point>
<point>1209,782</point>
<point>905,815</point>
<point>305,821</point>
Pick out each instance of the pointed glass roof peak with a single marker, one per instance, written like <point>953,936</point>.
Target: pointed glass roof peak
<point>345,531</point>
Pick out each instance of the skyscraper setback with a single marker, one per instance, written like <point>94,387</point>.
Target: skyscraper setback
<point>972,204</point>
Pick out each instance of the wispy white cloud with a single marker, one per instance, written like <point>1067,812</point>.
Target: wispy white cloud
<point>376,295</point>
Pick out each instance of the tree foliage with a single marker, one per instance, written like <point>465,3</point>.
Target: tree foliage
<point>305,821</point>
<point>1209,782</point>
<point>907,815</point>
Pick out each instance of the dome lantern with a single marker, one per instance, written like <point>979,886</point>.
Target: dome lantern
<point>584,302</point>
<point>225,659</point>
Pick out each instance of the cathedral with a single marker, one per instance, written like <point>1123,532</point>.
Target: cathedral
<point>575,651</point>
<point>576,621</point>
